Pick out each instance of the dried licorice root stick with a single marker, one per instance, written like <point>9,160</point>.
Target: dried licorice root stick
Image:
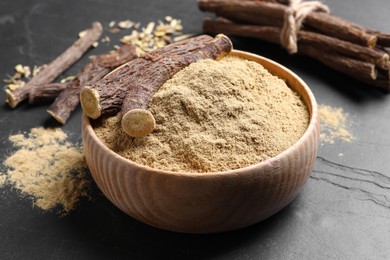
<point>271,34</point>
<point>57,66</point>
<point>106,96</point>
<point>47,92</point>
<point>376,56</point>
<point>349,58</point>
<point>383,38</point>
<point>361,70</point>
<point>137,121</point>
<point>339,28</point>
<point>68,100</point>
<point>270,13</point>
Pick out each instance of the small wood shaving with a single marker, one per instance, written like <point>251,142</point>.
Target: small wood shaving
<point>36,70</point>
<point>22,71</point>
<point>106,39</point>
<point>8,81</point>
<point>127,24</point>
<point>27,71</point>
<point>19,68</point>
<point>82,33</point>
<point>149,28</point>
<point>16,85</point>
<point>174,23</point>
<point>114,30</point>
<point>111,24</point>
<point>67,79</point>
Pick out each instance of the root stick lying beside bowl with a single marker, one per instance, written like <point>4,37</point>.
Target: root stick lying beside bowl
<point>210,201</point>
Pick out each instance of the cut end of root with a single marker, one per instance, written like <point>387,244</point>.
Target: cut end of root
<point>372,42</point>
<point>89,99</point>
<point>374,74</point>
<point>56,117</point>
<point>11,98</point>
<point>228,43</point>
<point>383,62</point>
<point>138,122</point>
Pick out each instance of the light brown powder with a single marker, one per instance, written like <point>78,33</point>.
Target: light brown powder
<point>334,125</point>
<point>3,179</point>
<point>48,168</point>
<point>214,116</point>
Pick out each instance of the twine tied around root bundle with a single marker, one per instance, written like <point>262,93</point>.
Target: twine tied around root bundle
<point>294,16</point>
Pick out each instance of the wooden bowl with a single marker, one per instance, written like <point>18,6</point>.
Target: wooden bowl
<point>214,201</point>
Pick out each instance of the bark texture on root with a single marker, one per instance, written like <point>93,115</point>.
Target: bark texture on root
<point>46,92</point>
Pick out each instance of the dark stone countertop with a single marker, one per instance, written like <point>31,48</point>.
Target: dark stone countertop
<point>343,212</point>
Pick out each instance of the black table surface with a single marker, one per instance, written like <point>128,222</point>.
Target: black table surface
<point>343,211</point>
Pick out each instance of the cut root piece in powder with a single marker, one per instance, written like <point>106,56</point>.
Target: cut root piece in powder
<point>48,168</point>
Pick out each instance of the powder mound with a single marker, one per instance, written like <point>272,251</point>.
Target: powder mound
<point>48,168</point>
<point>214,116</point>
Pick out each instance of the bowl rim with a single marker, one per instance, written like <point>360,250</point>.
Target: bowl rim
<point>250,168</point>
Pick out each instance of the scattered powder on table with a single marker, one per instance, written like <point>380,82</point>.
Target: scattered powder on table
<point>214,116</point>
<point>48,168</point>
<point>3,178</point>
<point>333,124</point>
